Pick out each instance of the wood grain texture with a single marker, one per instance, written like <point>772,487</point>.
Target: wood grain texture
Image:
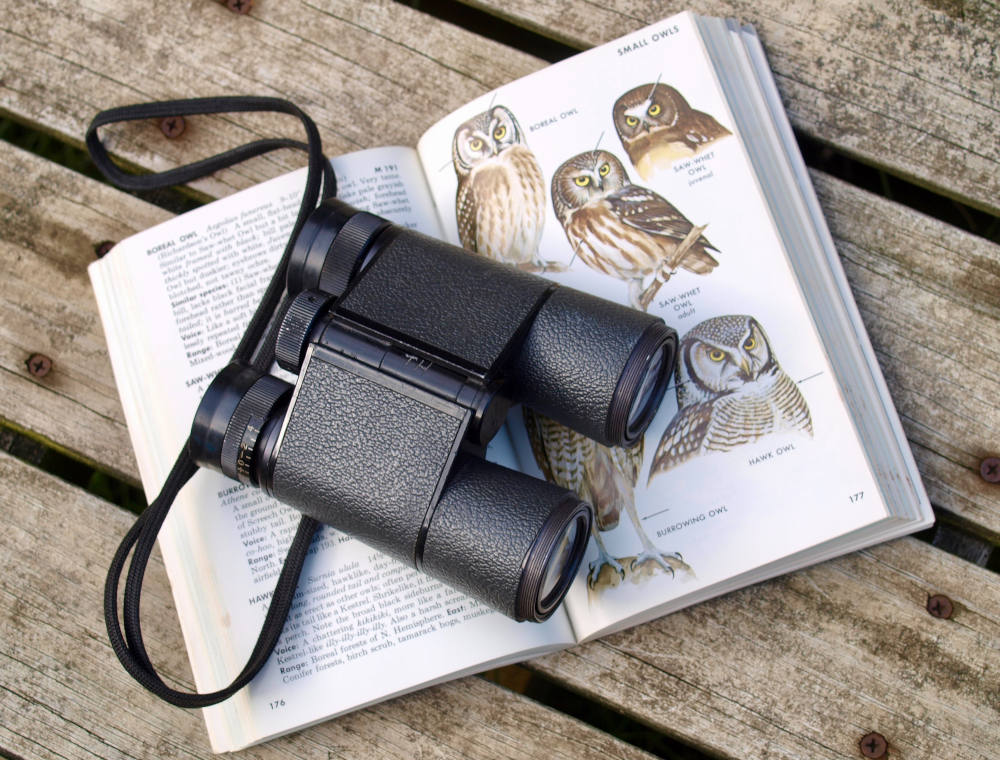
<point>929,295</point>
<point>63,693</point>
<point>907,85</point>
<point>50,221</point>
<point>804,666</point>
<point>369,74</point>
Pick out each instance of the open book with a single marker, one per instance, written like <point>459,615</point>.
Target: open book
<point>658,170</point>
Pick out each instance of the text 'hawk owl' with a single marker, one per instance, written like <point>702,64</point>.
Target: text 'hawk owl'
<point>657,126</point>
<point>730,391</point>
<point>625,230</point>
<point>500,201</point>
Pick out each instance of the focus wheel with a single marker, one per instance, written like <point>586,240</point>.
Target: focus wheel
<point>347,252</point>
<point>303,312</point>
<point>244,428</point>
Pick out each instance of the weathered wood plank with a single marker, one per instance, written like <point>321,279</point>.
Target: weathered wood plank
<point>63,694</point>
<point>51,218</point>
<point>908,85</point>
<point>368,73</point>
<point>929,294</point>
<point>806,665</point>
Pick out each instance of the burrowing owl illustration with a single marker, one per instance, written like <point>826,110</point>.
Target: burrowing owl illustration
<point>657,126</point>
<point>605,477</point>
<point>500,202</point>
<point>625,230</point>
<point>730,391</point>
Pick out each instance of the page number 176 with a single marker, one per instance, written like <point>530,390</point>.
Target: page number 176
<point>856,497</point>
<point>277,703</point>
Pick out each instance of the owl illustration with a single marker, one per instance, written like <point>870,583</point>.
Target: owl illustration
<point>625,230</point>
<point>604,477</point>
<point>500,201</point>
<point>730,391</point>
<point>657,126</point>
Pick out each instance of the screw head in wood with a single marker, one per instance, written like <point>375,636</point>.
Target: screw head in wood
<point>38,365</point>
<point>173,126</point>
<point>940,606</point>
<point>239,6</point>
<point>990,469</point>
<point>102,248</point>
<point>873,745</point>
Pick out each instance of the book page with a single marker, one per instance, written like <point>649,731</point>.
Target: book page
<point>623,174</point>
<point>174,301</point>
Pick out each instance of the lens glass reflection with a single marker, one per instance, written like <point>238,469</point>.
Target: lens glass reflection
<point>647,389</point>
<point>559,560</point>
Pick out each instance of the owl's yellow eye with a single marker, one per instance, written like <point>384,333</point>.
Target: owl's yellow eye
<point>631,120</point>
<point>654,110</point>
<point>716,355</point>
<point>750,343</point>
<point>499,133</point>
<point>604,170</point>
<point>582,181</point>
<point>476,144</point>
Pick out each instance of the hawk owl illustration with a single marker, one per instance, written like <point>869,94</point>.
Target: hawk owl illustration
<point>606,478</point>
<point>657,126</point>
<point>625,230</point>
<point>500,201</point>
<point>730,391</point>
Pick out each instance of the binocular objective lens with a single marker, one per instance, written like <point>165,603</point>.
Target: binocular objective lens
<point>646,399</point>
<point>559,560</point>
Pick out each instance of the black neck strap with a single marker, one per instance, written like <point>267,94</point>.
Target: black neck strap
<point>256,349</point>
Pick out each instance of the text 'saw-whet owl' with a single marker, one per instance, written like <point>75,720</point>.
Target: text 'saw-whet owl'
<point>500,202</point>
<point>730,391</point>
<point>605,477</point>
<point>657,126</point>
<point>625,230</point>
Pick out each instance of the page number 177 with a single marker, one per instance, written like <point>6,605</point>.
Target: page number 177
<point>856,497</point>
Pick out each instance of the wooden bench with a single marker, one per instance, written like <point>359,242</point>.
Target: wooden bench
<point>800,667</point>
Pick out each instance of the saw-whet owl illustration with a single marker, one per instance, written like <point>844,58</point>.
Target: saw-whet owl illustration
<point>657,126</point>
<point>500,201</point>
<point>730,391</point>
<point>625,230</point>
<point>605,477</point>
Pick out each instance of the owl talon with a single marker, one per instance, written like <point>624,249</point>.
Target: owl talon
<point>652,556</point>
<point>597,568</point>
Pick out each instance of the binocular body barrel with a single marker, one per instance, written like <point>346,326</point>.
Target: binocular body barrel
<point>575,357</point>
<point>583,361</point>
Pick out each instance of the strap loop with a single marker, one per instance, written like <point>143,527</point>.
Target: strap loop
<point>256,349</point>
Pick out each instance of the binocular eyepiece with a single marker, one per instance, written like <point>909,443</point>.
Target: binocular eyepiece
<point>409,353</point>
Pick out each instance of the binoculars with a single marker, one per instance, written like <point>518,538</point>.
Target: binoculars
<point>409,352</point>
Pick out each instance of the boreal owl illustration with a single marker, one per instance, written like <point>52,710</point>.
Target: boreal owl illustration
<point>625,230</point>
<point>605,477</point>
<point>730,391</point>
<point>500,202</point>
<point>657,126</point>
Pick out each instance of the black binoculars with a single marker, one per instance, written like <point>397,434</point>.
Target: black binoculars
<point>409,353</point>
